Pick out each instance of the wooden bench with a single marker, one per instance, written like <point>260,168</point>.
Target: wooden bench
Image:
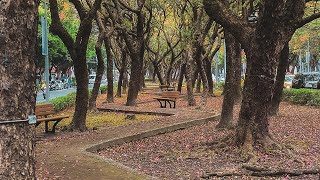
<point>45,112</point>
<point>168,96</point>
<point>166,87</point>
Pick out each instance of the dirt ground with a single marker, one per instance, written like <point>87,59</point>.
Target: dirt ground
<point>191,153</point>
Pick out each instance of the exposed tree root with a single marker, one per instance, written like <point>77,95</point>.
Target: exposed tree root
<point>223,142</point>
<point>261,172</point>
<point>275,173</point>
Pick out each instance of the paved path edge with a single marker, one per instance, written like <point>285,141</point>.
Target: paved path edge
<point>92,150</point>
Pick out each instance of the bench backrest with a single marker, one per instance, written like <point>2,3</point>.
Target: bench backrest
<point>170,94</point>
<point>44,109</point>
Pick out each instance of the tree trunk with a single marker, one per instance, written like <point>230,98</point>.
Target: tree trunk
<point>209,76</point>
<point>157,71</point>
<point>237,77</point>
<point>135,78</point>
<point>125,82</point>
<point>110,98</point>
<point>233,52</point>
<point>181,75</point>
<point>278,87</point>
<point>189,72</point>
<point>142,82</point>
<point>82,96</point>
<point>18,35</point>
<point>100,70</point>
<point>78,52</point>
<point>198,87</point>
<point>253,126</point>
<point>122,71</point>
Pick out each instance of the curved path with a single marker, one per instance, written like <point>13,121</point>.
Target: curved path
<point>69,155</point>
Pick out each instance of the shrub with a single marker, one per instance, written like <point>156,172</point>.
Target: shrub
<point>219,85</point>
<point>63,102</point>
<point>103,89</point>
<point>302,96</point>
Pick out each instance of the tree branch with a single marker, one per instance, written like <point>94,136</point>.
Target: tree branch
<point>81,10</point>
<point>57,28</point>
<point>307,20</point>
<point>128,8</point>
<point>220,12</point>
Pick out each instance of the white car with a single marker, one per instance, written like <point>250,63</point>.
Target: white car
<point>92,79</point>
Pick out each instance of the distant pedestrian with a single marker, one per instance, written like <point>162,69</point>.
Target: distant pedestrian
<point>43,89</point>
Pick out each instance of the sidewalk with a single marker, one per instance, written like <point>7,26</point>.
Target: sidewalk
<point>65,155</point>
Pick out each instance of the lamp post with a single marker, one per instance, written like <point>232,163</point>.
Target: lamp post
<point>45,49</point>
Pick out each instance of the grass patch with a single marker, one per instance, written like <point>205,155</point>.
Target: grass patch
<point>107,119</point>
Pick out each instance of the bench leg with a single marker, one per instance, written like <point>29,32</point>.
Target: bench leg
<point>174,104</point>
<point>46,126</point>
<point>161,106</point>
<point>169,103</point>
<point>53,130</point>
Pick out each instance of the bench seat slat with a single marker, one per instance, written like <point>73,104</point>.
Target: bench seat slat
<point>52,118</point>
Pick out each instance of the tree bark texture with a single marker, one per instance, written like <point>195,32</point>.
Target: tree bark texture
<point>209,75</point>
<point>198,86</point>
<point>123,69</point>
<point>188,76</point>
<point>18,34</point>
<point>125,82</point>
<point>181,75</point>
<point>110,98</point>
<point>233,52</point>
<point>278,86</point>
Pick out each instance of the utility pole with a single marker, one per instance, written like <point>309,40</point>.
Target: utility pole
<point>308,55</point>
<point>300,63</point>
<point>45,49</point>
<point>225,60</point>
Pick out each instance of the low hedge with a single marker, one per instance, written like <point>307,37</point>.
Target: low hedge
<point>309,97</point>
<point>63,102</point>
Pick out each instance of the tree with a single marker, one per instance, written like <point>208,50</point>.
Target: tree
<point>263,43</point>
<point>18,35</point>
<point>233,61</point>
<point>278,85</point>
<point>135,37</point>
<point>77,49</point>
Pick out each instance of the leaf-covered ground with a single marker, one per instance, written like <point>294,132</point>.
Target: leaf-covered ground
<point>189,153</point>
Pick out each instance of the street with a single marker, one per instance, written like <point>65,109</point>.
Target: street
<point>55,94</point>
<point>58,93</point>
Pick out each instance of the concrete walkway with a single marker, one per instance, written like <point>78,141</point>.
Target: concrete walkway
<point>68,155</point>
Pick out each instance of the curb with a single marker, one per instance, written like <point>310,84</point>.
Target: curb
<point>150,133</point>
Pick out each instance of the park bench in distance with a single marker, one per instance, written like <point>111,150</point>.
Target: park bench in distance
<point>168,96</point>
<point>167,87</point>
<point>45,112</point>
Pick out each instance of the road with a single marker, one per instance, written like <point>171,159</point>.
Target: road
<point>58,93</point>
<point>55,94</point>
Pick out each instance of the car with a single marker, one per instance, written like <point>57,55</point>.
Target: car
<point>288,81</point>
<point>307,80</point>
<point>92,79</point>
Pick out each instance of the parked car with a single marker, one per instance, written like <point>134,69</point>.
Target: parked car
<point>92,79</point>
<point>288,81</point>
<point>307,80</point>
